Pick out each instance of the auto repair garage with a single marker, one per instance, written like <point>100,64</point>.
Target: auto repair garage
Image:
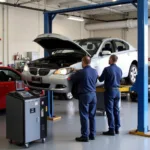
<point>74,74</point>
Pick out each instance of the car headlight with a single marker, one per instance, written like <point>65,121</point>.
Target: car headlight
<point>26,68</point>
<point>63,71</point>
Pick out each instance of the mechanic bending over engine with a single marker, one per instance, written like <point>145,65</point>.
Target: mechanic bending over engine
<point>112,76</point>
<point>86,79</point>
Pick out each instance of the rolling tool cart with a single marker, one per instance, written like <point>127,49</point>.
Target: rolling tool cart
<point>26,117</point>
<point>100,97</point>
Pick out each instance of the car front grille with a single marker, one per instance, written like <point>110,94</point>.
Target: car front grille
<point>44,72</point>
<point>33,71</point>
<point>43,85</point>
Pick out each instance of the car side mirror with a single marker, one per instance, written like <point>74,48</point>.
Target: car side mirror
<point>103,53</point>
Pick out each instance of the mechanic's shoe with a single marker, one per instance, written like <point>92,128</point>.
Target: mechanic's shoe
<point>117,131</point>
<point>111,133</point>
<point>91,138</point>
<point>82,139</point>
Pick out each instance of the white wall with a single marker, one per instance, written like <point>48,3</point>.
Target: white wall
<point>72,29</point>
<point>21,26</point>
<point>108,33</point>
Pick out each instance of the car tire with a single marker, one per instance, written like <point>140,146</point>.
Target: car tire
<point>68,96</point>
<point>133,96</point>
<point>132,74</point>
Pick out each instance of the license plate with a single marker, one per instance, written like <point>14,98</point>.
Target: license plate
<point>36,79</point>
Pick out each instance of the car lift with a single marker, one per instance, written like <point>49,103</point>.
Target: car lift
<point>141,86</point>
<point>122,89</point>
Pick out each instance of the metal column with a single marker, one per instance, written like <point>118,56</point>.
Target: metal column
<point>142,87</point>
<point>48,19</point>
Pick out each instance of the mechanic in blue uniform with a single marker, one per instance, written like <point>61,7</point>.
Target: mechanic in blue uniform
<point>86,79</point>
<point>112,76</point>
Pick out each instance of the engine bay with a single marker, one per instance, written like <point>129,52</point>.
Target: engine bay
<point>57,61</point>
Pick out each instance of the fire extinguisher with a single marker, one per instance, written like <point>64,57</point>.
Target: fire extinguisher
<point>16,57</point>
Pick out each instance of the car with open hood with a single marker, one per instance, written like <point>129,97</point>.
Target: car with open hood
<point>63,54</point>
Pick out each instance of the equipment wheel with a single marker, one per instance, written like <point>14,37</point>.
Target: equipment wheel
<point>43,140</point>
<point>10,141</point>
<point>26,145</point>
<point>133,96</point>
<point>104,113</point>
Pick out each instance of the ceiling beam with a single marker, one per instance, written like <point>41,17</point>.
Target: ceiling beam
<point>17,2</point>
<point>89,2</point>
<point>105,8</point>
<point>56,2</point>
<point>30,1</point>
<point>43,10</point>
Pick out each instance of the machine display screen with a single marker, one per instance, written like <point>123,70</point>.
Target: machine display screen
<point>25,94</point>
<point>32,110</point>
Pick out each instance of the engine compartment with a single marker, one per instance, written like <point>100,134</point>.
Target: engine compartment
<point>57,61</point>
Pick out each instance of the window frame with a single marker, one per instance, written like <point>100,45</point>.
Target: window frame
<point>116,47</point>
<point>113,46</point>
<point>6,69</point>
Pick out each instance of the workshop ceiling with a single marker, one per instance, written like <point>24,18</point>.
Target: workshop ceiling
<point>60,4</point>
<point>55,4</point>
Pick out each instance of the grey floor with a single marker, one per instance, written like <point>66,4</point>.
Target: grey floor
<point>61,133</point>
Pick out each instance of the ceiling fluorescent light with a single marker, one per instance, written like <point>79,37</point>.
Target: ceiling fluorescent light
<point>75,18</point>
<point>2,0</point>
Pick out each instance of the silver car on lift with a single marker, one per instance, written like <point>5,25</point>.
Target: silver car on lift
<point>53,72</point>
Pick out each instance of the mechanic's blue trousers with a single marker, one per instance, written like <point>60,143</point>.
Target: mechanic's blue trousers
<point>87,110</point>
<point>112,97</point>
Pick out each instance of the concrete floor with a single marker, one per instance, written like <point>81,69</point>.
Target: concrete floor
<point>61,134</point>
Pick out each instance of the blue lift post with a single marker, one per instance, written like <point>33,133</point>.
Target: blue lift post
<point>48,20</point>
<point>142,79</point>
<point>143,66</point>
<point>141,86</point>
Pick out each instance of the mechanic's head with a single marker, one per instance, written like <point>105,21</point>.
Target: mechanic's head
<point>113,59</point>
<point>86,60</point>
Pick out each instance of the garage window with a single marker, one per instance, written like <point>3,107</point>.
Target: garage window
<point>121,46</point>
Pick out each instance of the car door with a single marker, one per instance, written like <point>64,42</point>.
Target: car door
<point>5,88</point>
<point>7,85</point>
<point>2,96</point>
<point>123,53</point>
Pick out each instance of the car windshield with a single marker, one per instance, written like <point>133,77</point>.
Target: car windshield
<point>90,45</point>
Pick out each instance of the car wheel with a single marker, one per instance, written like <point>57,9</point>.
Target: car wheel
<point>132,74</point>
<point>68,96</point>
<point>133,96</point>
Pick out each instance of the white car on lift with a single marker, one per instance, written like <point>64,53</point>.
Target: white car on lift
<point>53,72</point>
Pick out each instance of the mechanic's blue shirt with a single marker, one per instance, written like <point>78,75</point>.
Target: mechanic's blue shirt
<point>111,76</point>
<point>85,79</point>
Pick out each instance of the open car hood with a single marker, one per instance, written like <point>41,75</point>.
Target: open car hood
<point>53,42</point>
